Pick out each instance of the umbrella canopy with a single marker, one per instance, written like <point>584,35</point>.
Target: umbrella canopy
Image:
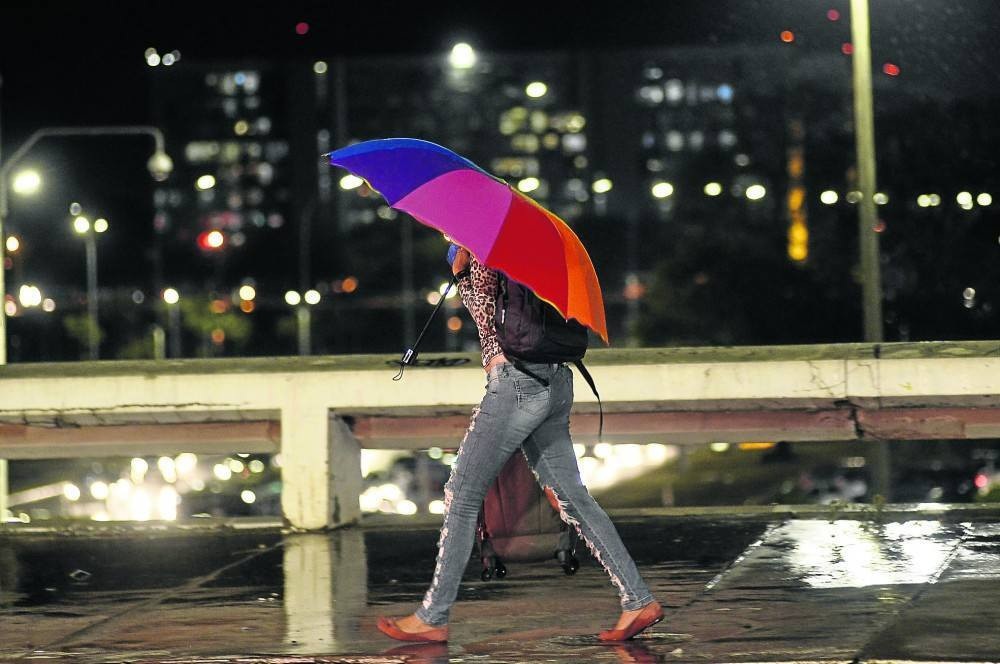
<point>503,228</point>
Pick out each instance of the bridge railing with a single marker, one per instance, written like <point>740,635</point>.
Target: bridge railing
<point>320,412</point>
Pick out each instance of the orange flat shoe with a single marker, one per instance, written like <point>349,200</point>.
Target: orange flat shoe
<point>389,627</point>
<point>651,614</point>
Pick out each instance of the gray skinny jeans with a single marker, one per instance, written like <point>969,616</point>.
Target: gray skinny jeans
<point>519,411</point>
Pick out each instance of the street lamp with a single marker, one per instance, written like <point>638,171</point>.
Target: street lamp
<point>173,298</point>
<point>159,165</point>
<point>89,232</point>
<point>303,314</point>
<point>864,136</point>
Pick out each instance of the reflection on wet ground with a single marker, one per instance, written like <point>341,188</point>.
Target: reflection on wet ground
<point>736,590</point>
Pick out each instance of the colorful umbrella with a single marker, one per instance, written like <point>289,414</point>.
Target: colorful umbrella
<point>503,228</point>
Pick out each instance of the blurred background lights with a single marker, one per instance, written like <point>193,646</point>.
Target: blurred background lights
<point>292,298</point>
<point>29,295</point>
<point>462,56</point>
<point>247,292</point>
<point>755,192</point>
<point>528,185</point>
<point>81,224</point>
<point>787,36</point>
<point>536,89</point>
<point>964,200</point>
<point>205,182</point>
<point>248,496</point>
<point>880,198</point>
<point>171,296</point>
<point>319,67</point>
<point>312,296</point>
<point>713,189</point>
<point>602,186</point>
<point>349,182</point>
<point>27,182</point>
<point>100,225</point>
<point>12,244</point>
<point>662,190</point>
<point>829,197</point>
<point>301,28</point>
<point>71,491</point>
<point>984,199</point>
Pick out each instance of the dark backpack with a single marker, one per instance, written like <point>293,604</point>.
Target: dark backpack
<point>532,330</point>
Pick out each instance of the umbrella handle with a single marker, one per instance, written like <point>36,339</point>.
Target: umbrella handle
<point>410,354</point>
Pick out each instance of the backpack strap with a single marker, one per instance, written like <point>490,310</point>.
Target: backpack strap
<point>593,388</point>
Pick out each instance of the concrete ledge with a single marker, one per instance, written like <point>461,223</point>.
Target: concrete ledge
<point>320,411</point>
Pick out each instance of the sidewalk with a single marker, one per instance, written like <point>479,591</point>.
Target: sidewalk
<point>742,587</point>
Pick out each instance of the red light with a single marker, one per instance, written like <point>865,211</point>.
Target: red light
<point>981,481</point>
<point>847,48</point>
<point>890,69</point>
<point>211,240</point>
<point>787,36</point>
<point>833,15</point>
<point>301,28</point>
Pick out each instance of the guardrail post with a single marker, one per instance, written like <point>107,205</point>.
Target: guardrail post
<point>4,489</point>
<point>321,465</point>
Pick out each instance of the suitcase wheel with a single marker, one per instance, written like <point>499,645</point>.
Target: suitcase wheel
<point>569,562</point>
<point>487,574</point>
<point>501,570</point>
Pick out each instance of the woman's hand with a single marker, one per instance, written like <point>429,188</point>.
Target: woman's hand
<point>461,262</point>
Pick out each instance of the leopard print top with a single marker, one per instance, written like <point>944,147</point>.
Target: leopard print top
<point>479,295</point>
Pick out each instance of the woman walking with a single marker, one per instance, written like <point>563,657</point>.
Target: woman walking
<point>518,411</point>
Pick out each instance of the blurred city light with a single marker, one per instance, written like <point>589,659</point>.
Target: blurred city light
<point>880,198</point>
<point>536,89</point>
<point>829,197</point>
<point>964,200</point>
<point>13,243</point>
<point>301,28</point>
<point>319,67</point>
<point>81,225</point>
<point>29,296</point>
<point>984,199</point>
<point>311,296</point>
<point>247,292</point>
<point>662,189</point>
<point>48,305</point>
<point>350,181</point>
<point>462,56</point>
<point>890,69</point>
<point>71,491</point>
<point>787,36</point>
<point>205,182</point>
<point>292,298</point>
<point>211,240</point>
<point>602,186</point>
<point>171,296</point>
<point>755,192</point>
<point>528,185</point>
<point>248,496</point>
<point>27,182</point>
<point>100,225</point>
<point>713,189</point>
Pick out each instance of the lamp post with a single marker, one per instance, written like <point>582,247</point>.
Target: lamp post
<point>864,136</point>
<point>303,316</point>
<point>89,232</point>
<point>159,165</point>
<point>871,277</point>
<point>173,298</point>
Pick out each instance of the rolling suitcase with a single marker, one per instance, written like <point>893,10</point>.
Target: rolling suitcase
<point>520,522</point>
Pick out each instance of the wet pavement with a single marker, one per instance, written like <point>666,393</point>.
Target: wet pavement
<point>909,586</point>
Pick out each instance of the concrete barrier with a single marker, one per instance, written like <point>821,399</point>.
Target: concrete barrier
<point>319,412</point>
